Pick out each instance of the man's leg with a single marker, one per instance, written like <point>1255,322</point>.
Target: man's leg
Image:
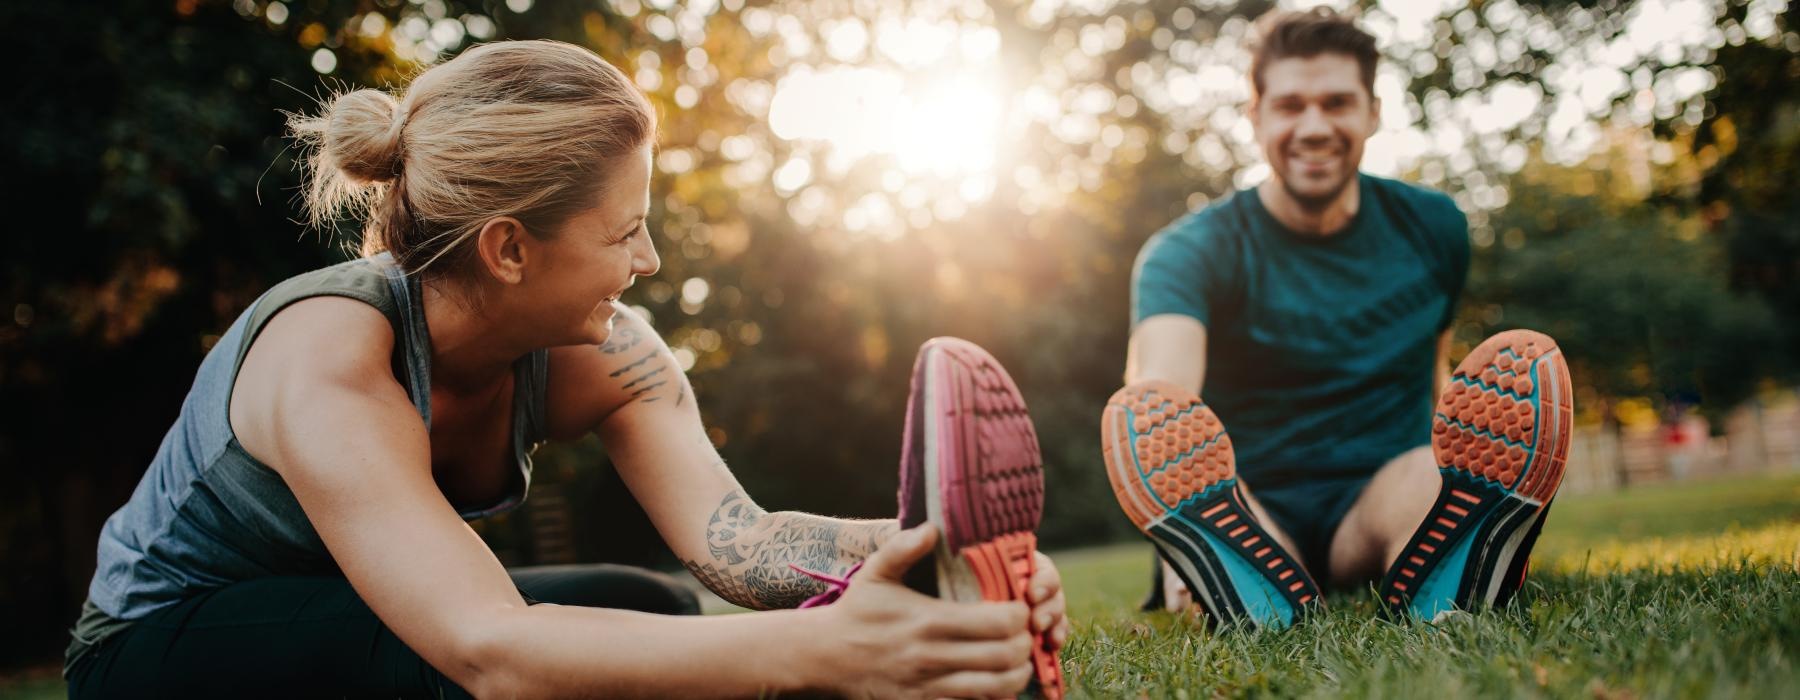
<point>1175,594</point>
<point>1500,436</point>
<point>1384,516</point>
<point>1174,473</point>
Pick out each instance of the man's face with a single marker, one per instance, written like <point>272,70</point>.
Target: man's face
<point>1311,120</point>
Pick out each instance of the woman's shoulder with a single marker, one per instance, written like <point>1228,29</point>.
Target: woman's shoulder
<point>316,353</point>
<point>589,383</point>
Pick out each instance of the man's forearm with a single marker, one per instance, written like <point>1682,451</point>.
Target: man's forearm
<point>749,551</point>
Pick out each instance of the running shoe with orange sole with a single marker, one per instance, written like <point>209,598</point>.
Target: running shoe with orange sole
<point>970,463</point>
<point>1501,436</point>
<point>1175,475</point>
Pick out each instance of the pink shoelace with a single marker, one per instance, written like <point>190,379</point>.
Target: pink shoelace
<point>834,585</point>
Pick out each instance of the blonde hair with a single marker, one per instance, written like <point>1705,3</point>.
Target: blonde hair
<point>527,129</point>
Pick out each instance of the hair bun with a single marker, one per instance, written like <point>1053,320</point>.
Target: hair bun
<point>362,135</point>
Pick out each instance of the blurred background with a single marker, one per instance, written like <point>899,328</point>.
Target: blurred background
<point>838,180</point>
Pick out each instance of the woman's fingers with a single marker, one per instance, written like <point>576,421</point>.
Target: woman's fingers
<point>1045,615</point>
<point>1045,581</point>
<point>890,562</point>
<point>981,684</point>
<point>976,621</point>
<point>996,655</point>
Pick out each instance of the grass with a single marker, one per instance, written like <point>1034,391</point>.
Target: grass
<point>1679,590</point>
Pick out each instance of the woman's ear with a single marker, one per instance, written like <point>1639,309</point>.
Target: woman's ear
<point>500,245</point>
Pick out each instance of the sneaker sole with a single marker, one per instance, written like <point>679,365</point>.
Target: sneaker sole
<point>986,491</point>
<point>1501,438</point>
<point>1175,475</point>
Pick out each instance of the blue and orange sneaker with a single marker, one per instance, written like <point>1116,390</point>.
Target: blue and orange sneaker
<point>970,463</point>
<point>1174,473</point>
<point>1501,436</point>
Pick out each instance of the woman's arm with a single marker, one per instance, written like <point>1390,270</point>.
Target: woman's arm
<point>350,446</point>
<point>749,549</point>
<point>636,394</point>
<point>633,393</point>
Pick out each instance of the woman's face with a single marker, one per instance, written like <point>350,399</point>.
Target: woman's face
<point>593,258</point>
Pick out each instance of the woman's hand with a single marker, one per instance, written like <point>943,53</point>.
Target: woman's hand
<point>1047,603</point>
<point>886,640</point>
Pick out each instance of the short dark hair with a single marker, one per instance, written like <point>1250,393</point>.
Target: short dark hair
<point>1320,30</point>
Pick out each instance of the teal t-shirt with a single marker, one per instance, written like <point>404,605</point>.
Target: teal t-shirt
<point>1319,348</point>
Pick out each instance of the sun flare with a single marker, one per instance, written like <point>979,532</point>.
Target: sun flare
<point>943,128</point>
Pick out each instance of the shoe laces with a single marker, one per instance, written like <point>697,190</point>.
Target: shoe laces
<point>834,585</point>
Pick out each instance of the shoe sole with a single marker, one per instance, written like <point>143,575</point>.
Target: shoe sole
<point>986,491</point>
<point>1175,475</point>
<point>1501,437</point>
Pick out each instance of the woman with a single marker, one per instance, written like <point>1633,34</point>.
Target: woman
<point>301,529</point>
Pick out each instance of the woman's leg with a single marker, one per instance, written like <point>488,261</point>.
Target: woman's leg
<point>606,586</point>
<point>273,637</point>
<point>313,637</point>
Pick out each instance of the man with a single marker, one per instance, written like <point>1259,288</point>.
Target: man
<point>1313,312</point>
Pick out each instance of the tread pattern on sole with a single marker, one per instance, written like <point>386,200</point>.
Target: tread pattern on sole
<point>990,476</point>
<point>1174,474</point>
<point>994,471</point>
<point>1501,437</point>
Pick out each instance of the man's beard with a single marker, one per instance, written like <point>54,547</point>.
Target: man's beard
<point>1314,203</point>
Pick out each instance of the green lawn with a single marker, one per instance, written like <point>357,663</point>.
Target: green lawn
<point>1670,591</point>
<point>1678,590</point>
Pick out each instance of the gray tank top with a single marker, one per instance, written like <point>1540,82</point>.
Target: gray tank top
<point>207,514</point>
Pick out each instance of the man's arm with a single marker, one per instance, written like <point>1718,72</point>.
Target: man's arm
<point>1440,372</point>
<point>633,393</point>
<point>1170,348</point>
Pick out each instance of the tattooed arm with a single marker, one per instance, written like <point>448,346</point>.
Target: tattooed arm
<point>749,550</point>
<point>632,392</point>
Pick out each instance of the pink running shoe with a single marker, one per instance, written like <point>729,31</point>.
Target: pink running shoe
<point>970,464</point>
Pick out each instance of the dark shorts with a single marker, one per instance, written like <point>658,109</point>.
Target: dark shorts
<point>313,637</point>
<point>1310,511</point>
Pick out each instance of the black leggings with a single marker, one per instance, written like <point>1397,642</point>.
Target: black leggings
<point>313,637</point>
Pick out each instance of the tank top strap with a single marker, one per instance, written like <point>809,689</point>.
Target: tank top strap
<point>375,281</point>
<point>533,373</point>
<point>411,335</point>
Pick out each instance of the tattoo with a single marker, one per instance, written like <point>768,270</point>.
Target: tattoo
<point>750,551</point>
<point>640,373</point>
<point>620,340</point>
<point>646,375</point>
<point>634,364</point>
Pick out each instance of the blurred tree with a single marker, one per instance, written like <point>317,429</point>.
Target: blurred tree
<point>1637,296</point>
<point>1749,144</point>
<point>1695,101</point>
<point>148,171</point>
